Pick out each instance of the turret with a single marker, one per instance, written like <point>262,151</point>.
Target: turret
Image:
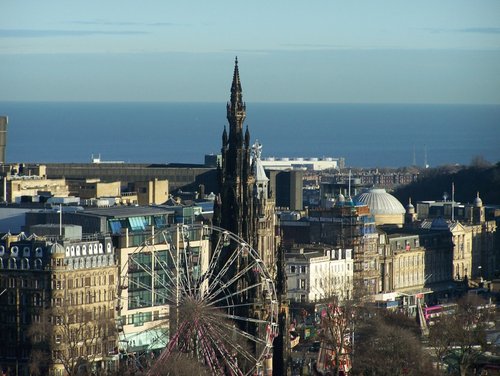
<point>410,215</point>
<point>478,212</point>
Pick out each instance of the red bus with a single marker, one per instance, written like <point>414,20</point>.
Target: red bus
<point>433,312</point>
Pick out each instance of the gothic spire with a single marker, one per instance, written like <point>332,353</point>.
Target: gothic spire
<point>236,107</point>
<point>236,85</point>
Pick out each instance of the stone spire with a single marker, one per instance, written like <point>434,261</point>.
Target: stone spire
<point>236,107</point>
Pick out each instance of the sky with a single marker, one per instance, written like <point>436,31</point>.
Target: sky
<point>327,51</point>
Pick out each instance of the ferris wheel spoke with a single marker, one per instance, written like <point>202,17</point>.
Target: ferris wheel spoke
<point>232,258</point>
<point>210,351</point>
<point>233,294</point>
<point>229,360</point>
<point>170,276</point>
<point>219,340</point>
<point>234,279</point>
<point>234,328</point>
<point>240,318</point>
<point>214,259</point>
<point>233,343</point>
<point>234,306</point>
<point>185,239</point>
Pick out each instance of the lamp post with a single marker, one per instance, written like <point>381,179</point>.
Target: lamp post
<point>480,268</point>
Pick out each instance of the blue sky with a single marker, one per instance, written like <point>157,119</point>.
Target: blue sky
<point>445,51</point>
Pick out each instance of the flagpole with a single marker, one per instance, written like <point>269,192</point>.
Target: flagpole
<point>452,201</point>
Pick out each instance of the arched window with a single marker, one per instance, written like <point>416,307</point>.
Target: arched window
<point>26,252</point>
<point>12,263</point>
<point>38,264</point>
<point>14,251</point>
<point>25,264</point>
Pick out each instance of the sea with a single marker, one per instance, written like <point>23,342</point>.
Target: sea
<point>366,135</point>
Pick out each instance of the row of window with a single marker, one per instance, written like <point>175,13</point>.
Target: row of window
<point>90,249</point>
<point>23,264</point>
<point>15,251</point>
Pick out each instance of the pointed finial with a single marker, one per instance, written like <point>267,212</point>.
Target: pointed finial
<point>236,60</point>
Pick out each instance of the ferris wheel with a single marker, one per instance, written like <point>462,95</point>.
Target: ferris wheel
<point>197,292</point>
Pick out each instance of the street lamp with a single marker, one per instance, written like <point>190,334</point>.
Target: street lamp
<point>480,274</point>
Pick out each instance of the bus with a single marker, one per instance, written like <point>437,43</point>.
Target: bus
<point>431,313</point>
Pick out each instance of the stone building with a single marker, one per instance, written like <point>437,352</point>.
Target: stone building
<point>350,225</point>
<point>316,273</point>
<point>402,263</point>
<point>60,297</point>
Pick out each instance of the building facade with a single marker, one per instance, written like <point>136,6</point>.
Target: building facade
<point>60,303</point>
<point>315,274</point>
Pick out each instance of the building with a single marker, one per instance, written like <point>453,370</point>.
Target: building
<point>350,225</point>
<point>386,208</point>
<point>146,310</point>
<point>60,297</point>
<point>18,186</point>
<point>287,188</point>
<point>473,235</point>
<point>315,274</point>
<point>314,164</point>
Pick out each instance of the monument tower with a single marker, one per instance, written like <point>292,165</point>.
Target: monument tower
<point>235,175</point>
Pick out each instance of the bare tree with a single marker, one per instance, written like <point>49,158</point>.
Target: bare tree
<point>71,337</point>
<point>461,335</point>
<point>387,345</point>
<point>336,333</point>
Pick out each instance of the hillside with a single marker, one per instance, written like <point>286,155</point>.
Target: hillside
<point>468,181</point>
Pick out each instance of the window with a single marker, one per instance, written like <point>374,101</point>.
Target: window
<point>12,263</point>
<point>25,264</point>
<point>292,269</point>
<point>302,269</point>
<point>137,223</point>
<point>38,264</point>
<point>302,284</point>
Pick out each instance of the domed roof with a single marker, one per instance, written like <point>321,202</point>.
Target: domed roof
<point>57,248</point>
<point>380,202</point>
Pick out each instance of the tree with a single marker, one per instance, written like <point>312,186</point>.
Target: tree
<point>387,345</point>
<point>336,331</point>
<point>74,337</point>
<point>459,339</point>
